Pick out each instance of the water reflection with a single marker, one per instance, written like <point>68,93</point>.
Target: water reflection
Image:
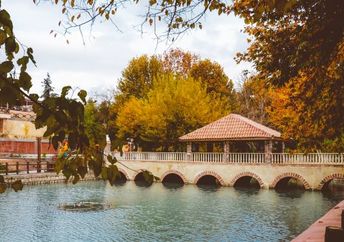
<point>160,213</point>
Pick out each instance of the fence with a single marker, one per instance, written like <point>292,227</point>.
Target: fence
<point>254,158</point>
<point>25,166</point>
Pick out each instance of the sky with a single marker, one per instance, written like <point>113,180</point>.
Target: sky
<point>96,65</point>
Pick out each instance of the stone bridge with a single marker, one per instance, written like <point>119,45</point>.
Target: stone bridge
<point>313,171</point>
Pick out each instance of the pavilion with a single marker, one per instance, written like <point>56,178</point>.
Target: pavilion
<point>232,131</point>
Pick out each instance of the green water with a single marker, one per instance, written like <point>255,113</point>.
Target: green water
<point>158,213</point>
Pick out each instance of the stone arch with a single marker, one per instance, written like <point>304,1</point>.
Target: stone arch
<point>293,175</point>
<point>174,172</point>
<point>250,174</point>
<point>140,181</point>
<point>124,173</point>
<point>209,173</point>
<point>329,178</point>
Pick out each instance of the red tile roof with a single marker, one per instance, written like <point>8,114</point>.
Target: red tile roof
<point>232,127</point>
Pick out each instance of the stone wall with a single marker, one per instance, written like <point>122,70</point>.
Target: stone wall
<point>43,178</point>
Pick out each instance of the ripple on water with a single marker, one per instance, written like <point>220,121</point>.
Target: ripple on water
<point>157,213</point>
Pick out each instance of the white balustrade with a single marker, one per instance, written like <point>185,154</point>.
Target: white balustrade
<point>249,158</point>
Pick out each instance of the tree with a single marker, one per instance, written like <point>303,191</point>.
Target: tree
<point>178,62</point>
<point>254,98</point>
<point>137,77</point>
<point>174,106</point>
<point>137,81</point>
<point>95,129</point>
<point>47,88</point>
<point>297,48</point>
<point>212,75</point>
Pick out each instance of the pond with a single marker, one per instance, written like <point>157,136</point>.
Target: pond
<point>158,213</point>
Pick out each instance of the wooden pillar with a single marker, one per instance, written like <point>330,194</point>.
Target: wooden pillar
<point>226,148</point>
<point>268,150</point>
<point>283,146</point>
<point>189,151</point>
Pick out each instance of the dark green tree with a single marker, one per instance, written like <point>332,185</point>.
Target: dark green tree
<point>47,87</point>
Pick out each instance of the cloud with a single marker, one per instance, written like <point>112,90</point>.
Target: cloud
<point>97,65</point>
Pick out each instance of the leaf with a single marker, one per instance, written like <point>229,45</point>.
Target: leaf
<point>55,141</point>
<point>65,91</point>
<point>3,37</point>
<point>104,173</point>
<point>6,66</point>
<point>5,19</point>
<point>25,81</point>
<point>76,179</point>
<point>148,177</point>
<point>17,185</point>
<point>3,187</point>
<point>82,94</point>
<point>82,170</point>
<point>67,173</point>
<point>10,44</point>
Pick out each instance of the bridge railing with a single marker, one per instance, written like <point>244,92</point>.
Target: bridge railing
<point>255,158</point>
<point>152,156</point>
<point>310,158</point>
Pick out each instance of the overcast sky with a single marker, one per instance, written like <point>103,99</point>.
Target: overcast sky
<point>97,65</point>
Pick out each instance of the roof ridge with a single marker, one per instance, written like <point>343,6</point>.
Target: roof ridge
<point>259,126</point>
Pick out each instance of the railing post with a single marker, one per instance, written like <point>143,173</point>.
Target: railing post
<point>27,167</point>
<point>6,171</point>
<point>226,151</point>
<point>189,151</point>
<point>17,167</point>
<point>268,151</point>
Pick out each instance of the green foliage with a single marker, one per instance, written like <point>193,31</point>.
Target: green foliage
<point>95,129</point>
<point>47,87</point>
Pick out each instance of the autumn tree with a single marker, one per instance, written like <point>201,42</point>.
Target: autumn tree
<point>178,62</point>
<point>174,106</point>
<point>254,98</point>
<point>297,47</point>
<point>137,77</point>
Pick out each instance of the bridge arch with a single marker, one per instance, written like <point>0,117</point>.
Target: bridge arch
<point>175,172</point>
<point>124,173</point>
<point>292,175</point>
<point>247,174</point>
<point>140,180</point>
<point>329,178</point>
<point>209,173</point>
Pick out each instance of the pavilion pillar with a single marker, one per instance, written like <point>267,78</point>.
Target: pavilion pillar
<point>283,146</point>
<point>189,151</point>
<point>226,148</point>
<point>268,150</point>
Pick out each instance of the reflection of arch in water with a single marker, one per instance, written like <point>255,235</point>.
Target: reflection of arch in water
<point>173,176</point>
<point>285,177</point>
<point>141,181</point>
<point>214,178</point>
<point>244,179</point>
<point>326,181</point>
